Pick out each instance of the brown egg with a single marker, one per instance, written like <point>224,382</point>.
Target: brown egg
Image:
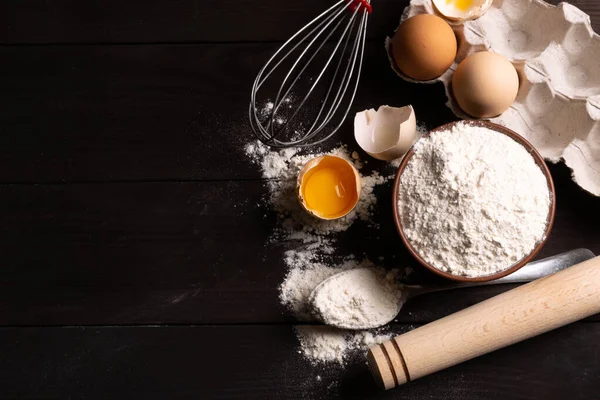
<point>485,84</point>
<point>424,47</point>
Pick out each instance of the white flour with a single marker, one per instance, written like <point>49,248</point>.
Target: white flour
<point>307,268</point>
<point>306,272</point>
<point>282,168</point>
<point>324,344</point>
<point>473,202</point>
<point>312,260</point>
<point>359,299</point>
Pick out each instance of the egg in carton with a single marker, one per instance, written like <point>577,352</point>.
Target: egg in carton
<point>555,52</point>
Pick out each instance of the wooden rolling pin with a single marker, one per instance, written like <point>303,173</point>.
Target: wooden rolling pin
<point>508,318</point>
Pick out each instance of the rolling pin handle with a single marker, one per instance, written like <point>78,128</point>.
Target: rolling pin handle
<point>529,310</point>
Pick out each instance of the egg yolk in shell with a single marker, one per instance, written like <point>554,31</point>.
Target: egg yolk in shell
<point>329,189</point>
<point>463,5</point>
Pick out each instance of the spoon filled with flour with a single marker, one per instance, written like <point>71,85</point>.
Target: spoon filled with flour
<point>358,299</point>
<point>366,298</point>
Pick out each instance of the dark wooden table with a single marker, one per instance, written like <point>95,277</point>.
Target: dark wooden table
<point>132,235</point>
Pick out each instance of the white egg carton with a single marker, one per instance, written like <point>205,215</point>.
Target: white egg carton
<point>557,55</point>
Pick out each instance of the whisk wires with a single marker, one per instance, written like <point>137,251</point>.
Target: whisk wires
<point>343,26</point>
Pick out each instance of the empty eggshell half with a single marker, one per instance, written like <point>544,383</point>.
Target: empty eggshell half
<point>386,134</point>
<point>328,187</point>
<point>461,10</point>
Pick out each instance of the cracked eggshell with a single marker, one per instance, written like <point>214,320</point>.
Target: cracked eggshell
<point>451,12</point>
<point>386,134</point>
<point>305,174</point>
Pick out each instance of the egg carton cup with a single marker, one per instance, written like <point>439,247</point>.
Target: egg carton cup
<point>557,56</point>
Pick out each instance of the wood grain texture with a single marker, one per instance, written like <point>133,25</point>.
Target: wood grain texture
<point>591,7</point>
<point>157,21</point>
<point>125,199</point>
<point>194,252</point>
<point>168,21</point>
<point>261,362</point>
<point>173,112</point>
<point>148,112</point>
<point>514,316</point>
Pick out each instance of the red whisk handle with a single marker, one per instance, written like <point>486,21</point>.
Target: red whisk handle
<point>357,3</point>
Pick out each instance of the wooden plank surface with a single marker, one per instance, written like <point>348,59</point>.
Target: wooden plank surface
<point>126,200</point>
<point>161,252</point>
<point>167,21</point>
<point>261,362</point>
<point>168,112</point>
<point>148,112</point>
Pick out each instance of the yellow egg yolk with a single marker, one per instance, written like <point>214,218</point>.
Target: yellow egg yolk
<point>329,189</point>
<point>463,5</point>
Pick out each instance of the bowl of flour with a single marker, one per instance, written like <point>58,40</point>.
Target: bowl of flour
<point>473,201</point>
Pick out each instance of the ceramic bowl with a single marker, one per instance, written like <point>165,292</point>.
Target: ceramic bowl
<point>538,160</point>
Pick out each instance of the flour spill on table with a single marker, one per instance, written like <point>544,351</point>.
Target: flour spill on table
<point>282,168</point>
<point>314,254</point>
<point>325,344</point>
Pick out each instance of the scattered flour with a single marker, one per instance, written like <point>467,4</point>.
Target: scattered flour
<point>280,117</point>
<point>473,201</point>
<point>325,344</point>
<point>318,343</point>
<point>306,271</point>
<point>312,260</point>
<point>268,107</point>
<point>282,168</point>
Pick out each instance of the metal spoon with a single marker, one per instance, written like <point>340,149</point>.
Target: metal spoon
<point>528,273</point>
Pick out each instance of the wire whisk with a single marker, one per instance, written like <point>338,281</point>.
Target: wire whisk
<point>343,26</point>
